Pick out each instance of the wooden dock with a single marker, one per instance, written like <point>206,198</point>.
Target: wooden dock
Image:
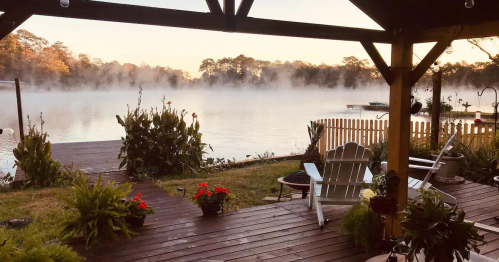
<point>286,231</point>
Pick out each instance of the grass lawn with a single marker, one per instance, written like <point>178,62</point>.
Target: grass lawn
<point>30,243</point>
<point>249,184</point>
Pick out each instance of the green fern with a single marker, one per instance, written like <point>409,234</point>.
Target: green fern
<point>99,211</point>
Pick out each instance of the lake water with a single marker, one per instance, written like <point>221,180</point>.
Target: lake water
<point>236,122</point>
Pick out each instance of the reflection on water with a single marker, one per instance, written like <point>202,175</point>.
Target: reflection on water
<point>235,122</point>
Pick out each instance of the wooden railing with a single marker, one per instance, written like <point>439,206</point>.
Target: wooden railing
<point>367,132</point>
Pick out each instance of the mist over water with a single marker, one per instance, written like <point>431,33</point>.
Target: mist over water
<point>236,122</point>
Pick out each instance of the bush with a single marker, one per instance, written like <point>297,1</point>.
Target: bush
<point>480,164</point>
<point>35,250</point>
<point>357,220</point>
<point>98,209</point>
<point>34,156</point>
<point>160,142</point>
<point>444,107</point>
<point>312,154</point>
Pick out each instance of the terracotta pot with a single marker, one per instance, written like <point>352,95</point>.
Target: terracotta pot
<point>382,205</point>
<point>134,221</point>
<point>449,171</point>
<point>209,211</point>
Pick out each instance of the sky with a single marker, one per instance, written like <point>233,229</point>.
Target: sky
<point>184,49</point>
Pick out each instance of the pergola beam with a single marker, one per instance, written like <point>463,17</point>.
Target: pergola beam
<point>378,60</point>
<point>230,7</point>
<point>102,11</point>
<point>10,20</point>
<point>244,8</point>
<point>214,7</point>
<point>428,60</point>
<point>480,30</point>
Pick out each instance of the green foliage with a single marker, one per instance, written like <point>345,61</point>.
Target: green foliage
<point>438,229</point>
<point>480,164</point>
<point>312,154</point>
<point>363,225</point>
<point>34,250</point>
<point>385,184</point>
<point>34,156</point>
<point>98,211</point>
<point>160,142</point>
<point>211,198</point>
<point>444,106</point>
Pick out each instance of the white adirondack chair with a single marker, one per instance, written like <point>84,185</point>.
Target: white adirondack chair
<point>415,184</point>
<point>345,174</point>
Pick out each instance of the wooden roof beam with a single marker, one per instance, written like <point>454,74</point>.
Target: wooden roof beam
<point>111,12</point>
<point>214,7</point>
<point>12,19</point>
<point>428,60</point>
<point>375,12</point>
<point>230,7</point>
<point>481,30</point>
<point>244,8</point>
<point>378,60</point>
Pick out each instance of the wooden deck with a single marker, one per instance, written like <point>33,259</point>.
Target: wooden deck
<point>277,232</point>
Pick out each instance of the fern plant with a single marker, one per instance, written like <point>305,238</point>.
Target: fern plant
<point>99,211</point>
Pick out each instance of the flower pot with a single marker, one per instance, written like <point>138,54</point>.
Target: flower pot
<point>210,211</point>
<point>134,221</point>
<point>382,205</point>
<point>448,173</point>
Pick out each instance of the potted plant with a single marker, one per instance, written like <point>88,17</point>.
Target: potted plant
<point>448,173</point>
<point>384,186</point>
<point>137,211</point>
<point>211,200</point>
<point>365,226</point>
<point>438,230</point>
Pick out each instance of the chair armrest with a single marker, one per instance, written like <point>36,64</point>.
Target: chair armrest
<point>424,160</point>
<point>424,167</point>
<point>312,171</point>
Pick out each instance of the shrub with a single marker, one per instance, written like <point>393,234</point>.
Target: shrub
<point>312,154</point>
<point>480,164</point>
<point>34,156</point>
<point>444,107</point>
<point>35,250</point>
<point>99,210</point>
<point>438,229</point>
<point>357,220</point>
<point>160,142</point>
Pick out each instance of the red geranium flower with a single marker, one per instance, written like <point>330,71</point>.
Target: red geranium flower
<point>139,195</point>
<point>218,189</point>
<point>209,193</point>
<point>205,184</point>
<point>200,184</point>
<point>202,191</point>
<point>135,199</point>
<point>143,206</point>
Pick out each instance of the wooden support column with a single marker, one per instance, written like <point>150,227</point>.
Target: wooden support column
<point>435,109</point>
<point>399,129</point>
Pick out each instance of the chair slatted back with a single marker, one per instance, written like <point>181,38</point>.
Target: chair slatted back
<point>344,165</point>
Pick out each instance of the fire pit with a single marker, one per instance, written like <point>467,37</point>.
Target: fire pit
<point>298,180</point>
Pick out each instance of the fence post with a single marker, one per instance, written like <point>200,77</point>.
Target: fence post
<point>19,109</point>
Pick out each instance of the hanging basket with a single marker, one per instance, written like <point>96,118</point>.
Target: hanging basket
<point>382,205</point>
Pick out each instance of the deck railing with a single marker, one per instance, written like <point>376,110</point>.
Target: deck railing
<point>367,132</point>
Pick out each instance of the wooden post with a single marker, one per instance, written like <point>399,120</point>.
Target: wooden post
<point>19,109</point>
<point>399,128</point>
<point>435,109</point>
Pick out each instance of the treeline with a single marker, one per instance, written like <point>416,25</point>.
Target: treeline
<point>46,65</point>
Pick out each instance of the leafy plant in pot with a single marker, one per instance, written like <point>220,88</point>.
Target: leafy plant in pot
<point>211,201</point>
<point>384,186</point>
<point>137,211</point>
<point>364,226</point>
<point>437,230</point>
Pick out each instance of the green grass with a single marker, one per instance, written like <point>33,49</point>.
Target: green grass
<point>38,241</point>
<point>249,184</point>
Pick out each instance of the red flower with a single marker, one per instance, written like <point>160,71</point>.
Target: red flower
<point>200,184</point>
<point>194,115</point>
<point>169,102</point>
<point>139,195</point>
<point>209,193</point>
<point>196,197</point>
<point>143,206</point>
<point>135,199</point>
<point>205,184</point>
<point>201,191</point>
<point>218,189</point>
